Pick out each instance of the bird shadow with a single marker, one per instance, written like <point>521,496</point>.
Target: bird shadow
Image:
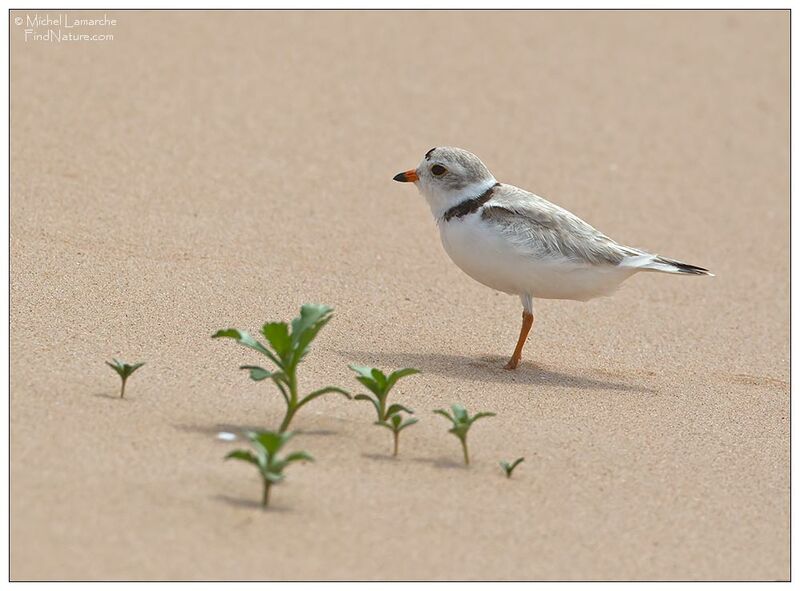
<point>240,430</point>
<point>489,368</point>
<point>249,504</point>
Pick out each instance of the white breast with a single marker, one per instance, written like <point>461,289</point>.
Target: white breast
<point>489,258</point>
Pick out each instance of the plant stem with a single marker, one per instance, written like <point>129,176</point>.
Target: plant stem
<point>382,408</point>
<point>466,452</point>
<point>122,392</point>
<point>396,437</point>
<point>265,498</point>
<point>290,410</point>
<point>291,404</point>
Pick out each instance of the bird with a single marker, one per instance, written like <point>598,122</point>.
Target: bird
<point>518,243</point>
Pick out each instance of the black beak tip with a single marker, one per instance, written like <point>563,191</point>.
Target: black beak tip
<point>400,177</point>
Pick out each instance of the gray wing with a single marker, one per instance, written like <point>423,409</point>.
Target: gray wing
<point>545,230</point>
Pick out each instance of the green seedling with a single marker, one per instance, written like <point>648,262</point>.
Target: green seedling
<point>509,468</point>
<point>267,444</point>
<point>286,350</point>
<point>395,424</point>
<point>461,423</point>
<point>379,384</point>
<point>125,370</point>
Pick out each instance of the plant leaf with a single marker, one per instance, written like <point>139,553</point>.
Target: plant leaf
<point>482,415</point>
<point>509,468</point>
<point>124,370</point>
<point>117,369</point>
<point>371,385</point>
<point>257,373</point>
<point>380,379</point>
<point>445,414</point>
<point>243,338</point>
<point>396,408</point>
<point>362,370</point>
<point>246,339</point>
<point>244,455</point>
<point>460,414</point>
<point>400,373</point>
<point>306,326</point>
<point>277,335</point>
<point>271,441</point>
<point>321,391</point>
<point>298,456</point>
<point>135,366</point>
<point>408,423</point>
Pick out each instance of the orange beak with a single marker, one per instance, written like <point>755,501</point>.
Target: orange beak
<point>409,176</point>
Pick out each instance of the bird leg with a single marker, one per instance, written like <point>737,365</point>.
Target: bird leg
<point>527,322</point>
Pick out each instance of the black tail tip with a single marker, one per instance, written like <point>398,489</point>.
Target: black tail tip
<point>692,269</point>
<point>684,267</point>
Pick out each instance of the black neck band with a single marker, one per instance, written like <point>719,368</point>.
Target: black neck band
<point>469,205</point>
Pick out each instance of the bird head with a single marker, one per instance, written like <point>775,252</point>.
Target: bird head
<point>448,176</point>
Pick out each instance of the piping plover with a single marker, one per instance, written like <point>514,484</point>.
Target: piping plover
<point>518,243</point>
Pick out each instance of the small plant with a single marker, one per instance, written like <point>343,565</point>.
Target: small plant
<point>379,384</point>
<point>288,348</point>
<point>461,423</point>
<point>509,468</point>
<point>125,370</point>
<point>267,444</point>
<point>395,424</point>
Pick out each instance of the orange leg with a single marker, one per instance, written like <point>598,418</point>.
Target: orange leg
<point>527,322</point>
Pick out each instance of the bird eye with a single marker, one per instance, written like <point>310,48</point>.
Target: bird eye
<point>438,170</point>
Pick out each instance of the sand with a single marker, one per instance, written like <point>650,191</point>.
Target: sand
<point>214,169</point>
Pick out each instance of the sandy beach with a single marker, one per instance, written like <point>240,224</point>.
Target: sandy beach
<point>205,170</point>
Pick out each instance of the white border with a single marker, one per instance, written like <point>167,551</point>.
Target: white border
<point>350,4</point>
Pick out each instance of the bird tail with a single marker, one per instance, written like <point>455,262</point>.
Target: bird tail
<point>665,265</point>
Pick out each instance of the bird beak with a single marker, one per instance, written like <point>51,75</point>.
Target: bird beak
<point>409,176</point>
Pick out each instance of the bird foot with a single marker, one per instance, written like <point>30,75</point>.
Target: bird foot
<point>512,364</point>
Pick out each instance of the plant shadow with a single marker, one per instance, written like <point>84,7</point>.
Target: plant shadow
<point>108,396</point>
<point>380,457</point>
<point>240,430</point>
<point>446,463</point>
<point>435,462</point>
<point>489,368</point>
<point>249,504</point>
